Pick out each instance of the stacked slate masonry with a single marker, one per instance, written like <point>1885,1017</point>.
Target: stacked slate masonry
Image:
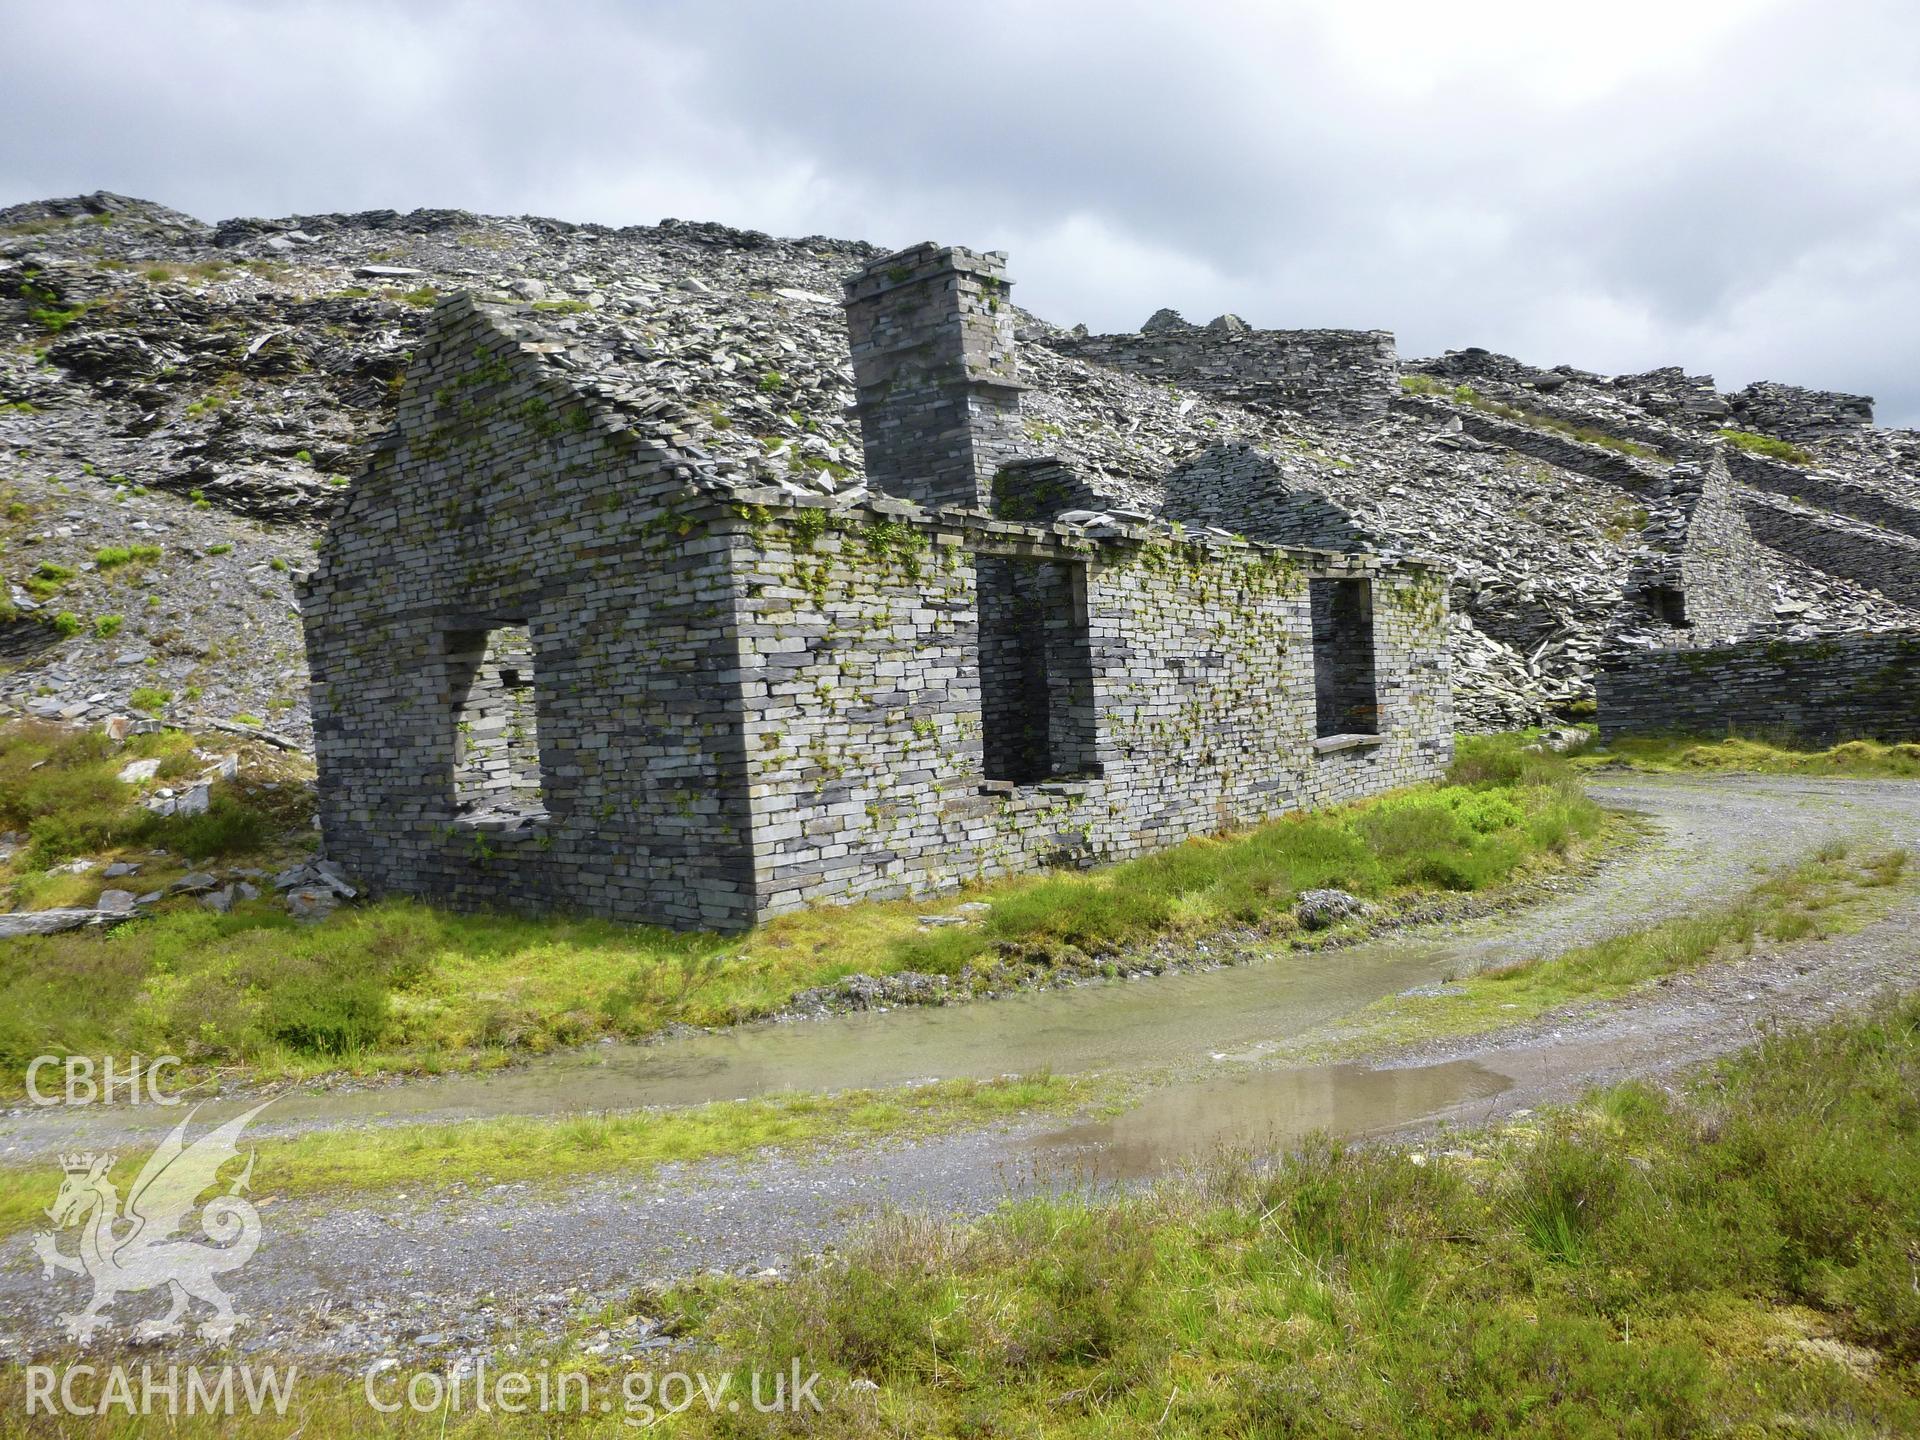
<point>1716,669</point>
<point>1179,701</point>
<point>1233,486</point>
<point>1713,561</point>
<point>1796,413</point>
<point>1888,562</point>
<point>1344,376</point>
<point>746,701</point>
<point>1815,692</point>
<point>1828,492</point>
<point>1701,577</point>
<point>503,499</point>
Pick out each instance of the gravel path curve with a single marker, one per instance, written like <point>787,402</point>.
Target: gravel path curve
<point>413,1275</point>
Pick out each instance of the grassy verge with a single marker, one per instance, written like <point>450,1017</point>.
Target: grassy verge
<point>1856,759</point>
<point>1500,811</point>
<point>1832,893</point>
<point>400,986</point>
<point>427,1158</point>
<point>1737,1260</point>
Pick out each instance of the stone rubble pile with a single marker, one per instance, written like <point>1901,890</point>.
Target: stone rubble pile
<point>1796,413</point>
<point>1318,909</point>
<point>310,891</point>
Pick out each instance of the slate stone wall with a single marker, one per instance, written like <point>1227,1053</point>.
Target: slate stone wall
<point>1042,488</point>
<point>1660,439</point>
<point>1338,375</point>
<point>1701,577</point>
<point>1241,490</point>
<point>1673,394</point>
<point>1840,497</point>
<point>1594,461</point>
<point>1819,692</point>
<point>1206,683</point>
<point>1795,413</point>
<point>1722,571</point>
<point>500,499</point>
<point>1889,563</point>
<point>866,731</point>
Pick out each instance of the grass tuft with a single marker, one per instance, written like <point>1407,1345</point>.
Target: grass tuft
<point>368,1159</point>
<point>1855,759</point>
<point>112,557</point>
<point>1770,446</point>
<point>1833,892</point>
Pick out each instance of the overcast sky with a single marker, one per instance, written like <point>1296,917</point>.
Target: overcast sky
<point>1731,185</point>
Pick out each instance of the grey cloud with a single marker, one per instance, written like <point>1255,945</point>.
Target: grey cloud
<point>1742,195</point>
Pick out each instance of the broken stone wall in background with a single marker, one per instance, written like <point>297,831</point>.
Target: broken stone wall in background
<point>1349,376</point>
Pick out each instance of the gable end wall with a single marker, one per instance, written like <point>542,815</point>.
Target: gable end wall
<point>500,497</point>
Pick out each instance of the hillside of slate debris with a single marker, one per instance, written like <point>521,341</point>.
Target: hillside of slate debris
<point>182,403</point>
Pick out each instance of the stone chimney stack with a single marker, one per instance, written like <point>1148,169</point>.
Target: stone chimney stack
<point>936,371</point>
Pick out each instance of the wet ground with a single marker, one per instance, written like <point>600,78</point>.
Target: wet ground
<point>1263,1111</point>
<point>446,1272</point>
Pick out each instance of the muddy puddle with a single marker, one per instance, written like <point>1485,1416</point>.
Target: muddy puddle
<point>1184,1021</point>
<point>1258,1113</point>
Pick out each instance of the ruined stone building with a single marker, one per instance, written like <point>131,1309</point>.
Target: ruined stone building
<point>1697,649</point>
<point>562,658</point>
<point>1697,644</point>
